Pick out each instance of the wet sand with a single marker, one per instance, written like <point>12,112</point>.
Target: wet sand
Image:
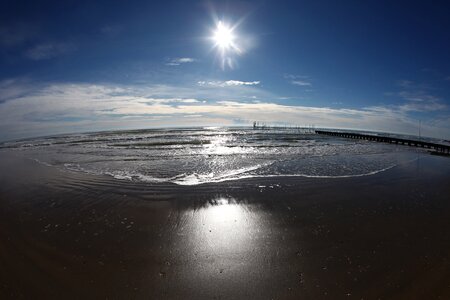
<point>72,235</point>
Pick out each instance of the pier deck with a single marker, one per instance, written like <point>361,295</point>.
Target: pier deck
<point>387,139</point>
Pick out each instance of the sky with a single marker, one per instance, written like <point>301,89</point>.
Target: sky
<point>80,66</point>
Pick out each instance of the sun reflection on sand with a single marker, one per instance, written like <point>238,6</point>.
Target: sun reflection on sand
<point>221,238</point>
<point>224,227</point>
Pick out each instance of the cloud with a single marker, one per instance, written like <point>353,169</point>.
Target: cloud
<point>405,83</point>
<point>180,60</point>
<point>190,101</point>
<point>19,33</point>
<point>418,97</point>
<point>227,83</point>
<point>59,108</point>
<point>14,88</point>
<point>300,83</point>
<point>299,80</point>
<point>49,50</point>
<point>171,100</point>
<point>26,40</point>
<point>423,107</point>
<point>111,30</point>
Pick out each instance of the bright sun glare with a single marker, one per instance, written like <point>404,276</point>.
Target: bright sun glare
<point>223,36</point>
<point>225,41</point>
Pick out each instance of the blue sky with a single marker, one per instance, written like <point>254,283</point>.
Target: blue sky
<point>83,66</point>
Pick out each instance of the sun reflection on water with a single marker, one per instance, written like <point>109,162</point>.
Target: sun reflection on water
<point>218,146</point>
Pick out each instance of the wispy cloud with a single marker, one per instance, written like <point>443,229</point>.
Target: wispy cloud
<point>405,83</point>
<point>17,34</point>
<point>227,83</point>
<point>418,97</point>
<point>13,88</point>
<point>300,83</point>
<point>111,30</point>
<point>180,60</point>
<point>58,108</point>
<point>423,107</point>
<point>299,80</point>
<point>171,100</point>
<point>49,50</point>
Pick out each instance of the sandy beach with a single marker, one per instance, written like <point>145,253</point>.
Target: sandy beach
<point>72,235</point>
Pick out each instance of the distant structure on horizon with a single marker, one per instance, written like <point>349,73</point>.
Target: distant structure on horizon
<point>305,129</point>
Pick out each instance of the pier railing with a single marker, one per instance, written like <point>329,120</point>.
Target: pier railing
<point>387,139</point>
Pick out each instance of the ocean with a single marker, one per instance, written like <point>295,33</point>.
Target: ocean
<point>196,156</point>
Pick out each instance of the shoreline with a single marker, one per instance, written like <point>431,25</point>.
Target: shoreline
<point>268,178</point>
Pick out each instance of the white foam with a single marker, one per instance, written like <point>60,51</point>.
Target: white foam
<point>334,176</point>
<point>196,179</point>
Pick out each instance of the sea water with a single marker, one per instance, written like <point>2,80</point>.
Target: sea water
<point>193,156</point>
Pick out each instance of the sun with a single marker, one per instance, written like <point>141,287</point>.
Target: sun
<point>223,37</point>
<point>225,41</point>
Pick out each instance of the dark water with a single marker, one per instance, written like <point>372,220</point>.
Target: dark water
<point>197,156</point>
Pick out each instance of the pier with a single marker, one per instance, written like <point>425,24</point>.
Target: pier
<point>445,149</point>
